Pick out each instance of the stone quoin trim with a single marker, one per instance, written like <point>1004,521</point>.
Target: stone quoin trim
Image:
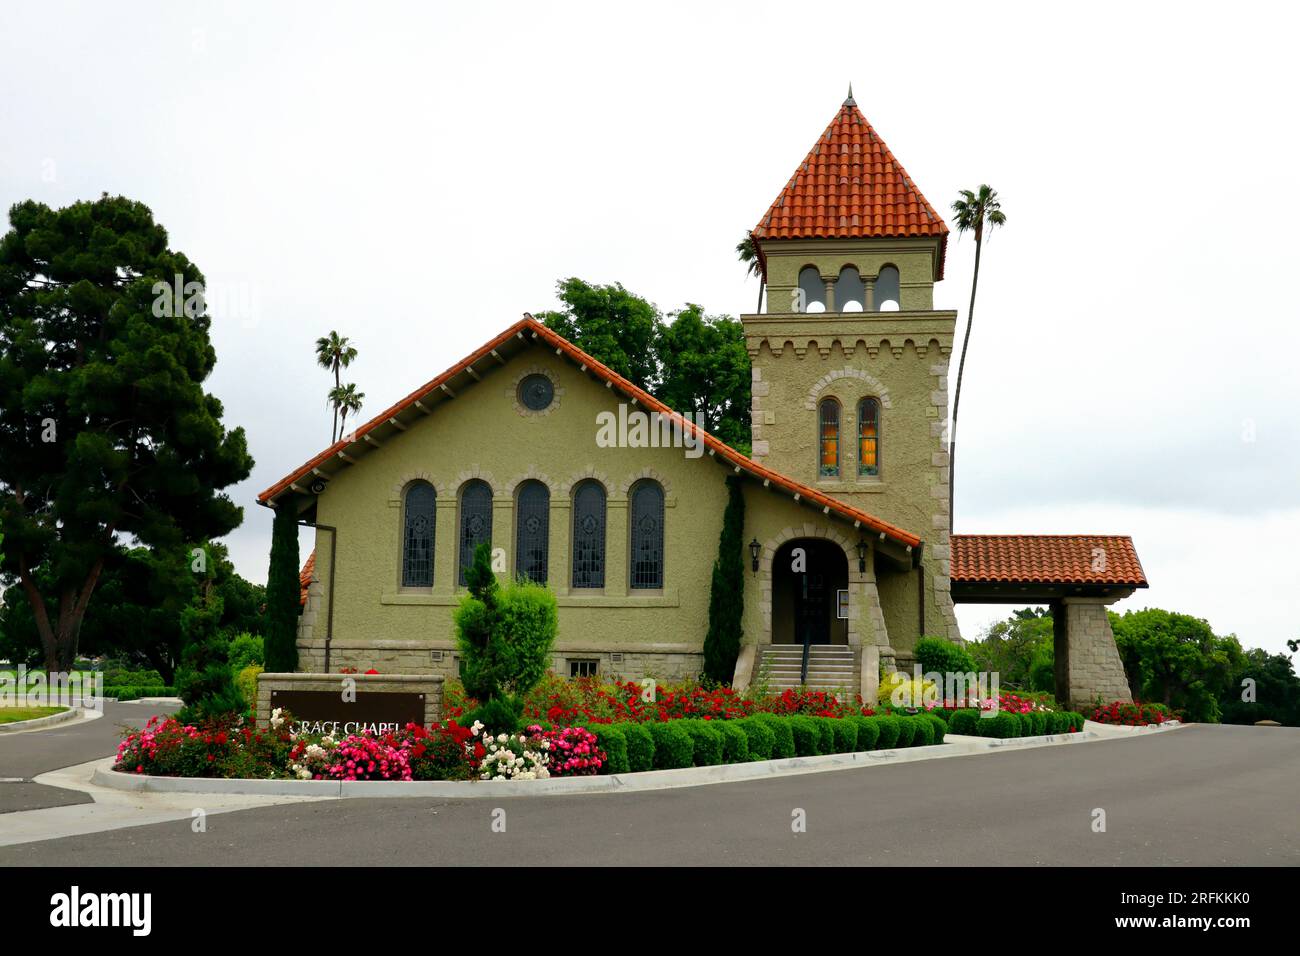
<point>874,387</point>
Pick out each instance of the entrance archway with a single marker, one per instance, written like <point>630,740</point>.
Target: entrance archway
<point>805,589</point>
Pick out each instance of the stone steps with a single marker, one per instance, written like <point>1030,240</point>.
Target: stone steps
<point>830,667</point>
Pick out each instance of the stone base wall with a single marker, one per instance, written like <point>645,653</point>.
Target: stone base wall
<point>430,685</point>
<point>668,662</point>
<point>1090,665</point>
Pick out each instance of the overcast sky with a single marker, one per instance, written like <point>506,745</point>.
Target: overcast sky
<point>418,175</point>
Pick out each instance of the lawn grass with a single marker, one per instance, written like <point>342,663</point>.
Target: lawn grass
<point>10,715</point>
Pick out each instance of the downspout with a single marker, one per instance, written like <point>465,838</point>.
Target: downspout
<point>329,624</point>
<point>920,587</point>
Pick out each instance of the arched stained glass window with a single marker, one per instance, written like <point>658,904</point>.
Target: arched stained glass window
<point>532,530</point>
<point>869,437</point>
<point>475,522</point>
<point>418,517</point>
<point>647,509</point>
<point>828,438</point>
<point>589,535</point>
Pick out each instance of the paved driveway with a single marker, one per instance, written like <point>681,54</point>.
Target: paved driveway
<point>1206,795</point>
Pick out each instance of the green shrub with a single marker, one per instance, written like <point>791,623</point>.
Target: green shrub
<point>924,730</point>
<point>906,731</point>
<point>204,680</point>
<point>825,735</point>
<point>942,656</point>
<point>1001,725</point>
<point>868,732</point>
<point>940,726</point>
<point>613,741</point>
<point>1039,719</point>
<point>783,745</point>
<point>706,741</point>
<point>283,595</point>
<point>504,634</point>
<point>131,692</point>
<point>674,746</point>
<point>1075,723</point>
<point>246,649</point>
<point>727,591</point>
<point>807,735</point>
<point>964,721</point>
<point>761,738</point>
<point>246,681</point>
<point>845,734</point>
<point>735,742</point>
<point>500,715</point>
<point>890,728</point>
<point>640,747</point>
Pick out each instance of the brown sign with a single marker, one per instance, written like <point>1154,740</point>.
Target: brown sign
<point>326,712</point>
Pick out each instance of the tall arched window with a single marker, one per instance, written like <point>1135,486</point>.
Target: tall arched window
<point>828,438</point>
<point>418,516</point>
<point>475,522</point>
<point>869,437</point>
<point>647,509</point>
<point>887,290</point>
<point>589,535</point>
<point>812,290</point>
<point>532,530</point>
<point>850,291</point>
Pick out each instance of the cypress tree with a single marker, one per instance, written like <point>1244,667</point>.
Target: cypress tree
<point>727,594</point>
<point>283,591</point>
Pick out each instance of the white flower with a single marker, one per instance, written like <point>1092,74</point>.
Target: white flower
<point>476,727</point>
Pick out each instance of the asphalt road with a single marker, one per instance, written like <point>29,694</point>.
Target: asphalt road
<point>1204,795</point>
<point>30,753</point>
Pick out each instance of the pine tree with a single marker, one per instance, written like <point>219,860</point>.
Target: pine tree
<point>283,592</point>
<point>726,598</point>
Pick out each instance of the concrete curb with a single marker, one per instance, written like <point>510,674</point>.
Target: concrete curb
<point>105,776</point>
<point>38,723</point>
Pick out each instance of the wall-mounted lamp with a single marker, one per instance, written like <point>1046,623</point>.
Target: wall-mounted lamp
<point>862,556</point>
<point>754,548</point>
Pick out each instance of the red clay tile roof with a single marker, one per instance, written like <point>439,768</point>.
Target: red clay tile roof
<point>528,326</point>
<point>1046,559</point>
<point>850,186</point>
<point>305,576</point>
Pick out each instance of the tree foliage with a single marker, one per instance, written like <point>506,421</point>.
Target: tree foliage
<point>106,433</point>
<point>690,361</point>
<point>283,591</point>
<point>727,591</point>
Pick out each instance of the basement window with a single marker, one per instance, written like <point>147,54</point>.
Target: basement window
<point>583,667</point>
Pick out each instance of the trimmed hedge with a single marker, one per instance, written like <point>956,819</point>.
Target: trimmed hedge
<point>1039,719</point>
<point>825,735</point>
<point>674,746</point>
<point>845,733</point>
<point>762,739</point>
<point>735,742</point>
<point>807,737</point>
<point>964,721</point>
<point>783,745</point>
<point>613,741</point>
<point>906,731</point>
<point>890,728</point>
<point>1000,725</point>
<point>706,741</point>
<point>640,747</point>
<point>923,735</point>
<point>868,732</point>
<point>939,724</point>
<point>134,692</point>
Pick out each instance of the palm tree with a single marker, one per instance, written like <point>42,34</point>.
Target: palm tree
<point>748,253</point>
<point>972,211</point>
<point>346,400</point>
<point>334,352</point>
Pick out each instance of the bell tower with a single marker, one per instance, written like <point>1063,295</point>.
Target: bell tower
<point>850,357</point>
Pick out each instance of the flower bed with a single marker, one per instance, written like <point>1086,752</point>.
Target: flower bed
<point>166,747</point>
<point>1136,714</point>
<point>590,700</point>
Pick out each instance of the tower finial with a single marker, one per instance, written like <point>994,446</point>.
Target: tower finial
<point>850,101</point>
